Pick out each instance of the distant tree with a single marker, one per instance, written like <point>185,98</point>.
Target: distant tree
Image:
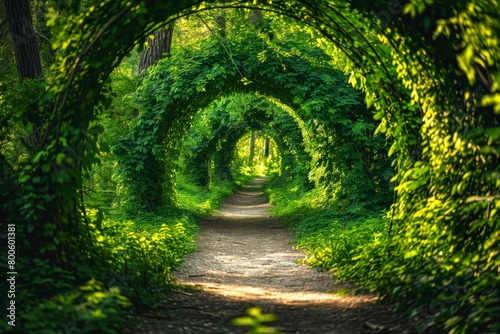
<point>221,24</point>
<point>251,149</point>
<point>256,16</point>
<point>39,10</point>
<point>6,52</point>
<point>266,147</point>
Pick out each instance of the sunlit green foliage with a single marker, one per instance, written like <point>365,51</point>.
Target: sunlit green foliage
<point>89,309</point>
<point>146,258</point>
<point>428,69</point>
<point>260,164</point>
<point>332,236</point>
<point>341,145</point>
<point>255,321</point>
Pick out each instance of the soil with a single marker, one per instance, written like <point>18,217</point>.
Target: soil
<point>245,259</point>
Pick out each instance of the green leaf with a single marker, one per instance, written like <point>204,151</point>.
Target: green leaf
<point>244,321</point>
<point>24,178</point>
<point>379,115</point>
<point>465,63</point>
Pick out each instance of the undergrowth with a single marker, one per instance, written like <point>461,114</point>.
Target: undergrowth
<point>355,244</point>
<point>135,256</point>
<point>332,235</point>
<point>203,200</point>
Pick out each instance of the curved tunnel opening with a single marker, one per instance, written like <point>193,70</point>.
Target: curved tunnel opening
<point>336,129</point>
<point>277,147</point>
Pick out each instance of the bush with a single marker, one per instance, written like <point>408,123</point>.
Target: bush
<point>90,309</point>
<point>444,287</point>
<point>339,246</point>
<point>144,254</point>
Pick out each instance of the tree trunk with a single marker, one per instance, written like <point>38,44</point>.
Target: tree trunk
<point>23,39</point>
<point>221,23</point>
<point>266,147</point>
<point>256,16</point>
<point>159,47</point>
<point>251,152</point>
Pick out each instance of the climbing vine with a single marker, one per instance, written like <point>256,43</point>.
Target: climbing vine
<point>186,82</point>
<point>227,121</point>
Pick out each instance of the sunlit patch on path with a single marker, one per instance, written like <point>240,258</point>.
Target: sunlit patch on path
<point>280,296</point>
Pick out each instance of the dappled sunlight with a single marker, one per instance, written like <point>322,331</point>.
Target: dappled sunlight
<point>257,211</point>
<point>278,296</point>
<point>241,259</point>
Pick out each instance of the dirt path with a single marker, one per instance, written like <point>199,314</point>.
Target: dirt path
<point>245,259</point>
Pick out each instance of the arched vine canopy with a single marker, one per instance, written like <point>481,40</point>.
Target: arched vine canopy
<point>175,89</point>
<point>401,91</point>
<point>227,121</point>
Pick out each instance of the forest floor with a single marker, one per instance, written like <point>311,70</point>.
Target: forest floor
<point>245,259</point>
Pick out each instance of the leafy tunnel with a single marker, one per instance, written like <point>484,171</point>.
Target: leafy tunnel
<point>228,122</point>
<point>336,121</point>
<point>411,96</point>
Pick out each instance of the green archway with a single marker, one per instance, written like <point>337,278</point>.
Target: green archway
<point>424,63</point>
<point>175,90</point>
<point>218,145</point>
<point>431,71</point>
